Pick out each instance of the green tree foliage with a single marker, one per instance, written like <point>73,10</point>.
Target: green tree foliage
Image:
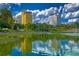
<point>6,17</point>
<point>76,24</point>
<point>18,26</point>
<point>39,27</point>
<point>3,24</point>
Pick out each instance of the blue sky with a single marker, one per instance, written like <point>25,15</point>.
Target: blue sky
<point>68,11</point>
<point>15,8</point>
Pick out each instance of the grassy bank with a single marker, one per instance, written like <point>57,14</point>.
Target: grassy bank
<point>44,37</point>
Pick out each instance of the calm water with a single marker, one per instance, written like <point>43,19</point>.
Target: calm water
<point>40,45</point>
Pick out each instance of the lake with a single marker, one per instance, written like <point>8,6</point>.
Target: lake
<point>65,44</point>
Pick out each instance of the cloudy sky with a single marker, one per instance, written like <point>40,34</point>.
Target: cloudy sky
<point>41,11</point>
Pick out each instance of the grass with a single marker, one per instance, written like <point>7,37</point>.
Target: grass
<point>44,37</point>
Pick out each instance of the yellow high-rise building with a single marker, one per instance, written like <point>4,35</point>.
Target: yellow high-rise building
<point>26,18</point>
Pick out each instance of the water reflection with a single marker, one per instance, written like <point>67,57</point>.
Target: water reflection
<point>56,48</point>
<point>7,46</point>
<point>40,45</point>
<point>26,46</point>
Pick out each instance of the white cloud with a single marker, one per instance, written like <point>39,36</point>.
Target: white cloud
<point>62,15</point>
<point>71,14</point>
<point>70,11</point>
<point>71,7</point>
<point>44,14</point>
<point>73,20</point>
<point>47,12</point>
<point>19,14</point>
<point>75,14</point>
<point>59,10</point>
<point>34,13</point>
<point>68,15</point>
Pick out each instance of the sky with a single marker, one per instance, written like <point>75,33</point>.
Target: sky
<point>69,12</point>
<point>15,8</point>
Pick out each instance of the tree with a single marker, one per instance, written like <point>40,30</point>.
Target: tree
<point>6,16</point>
<point>18,26</point>
<point>3,24</point>
<point>76,24</point>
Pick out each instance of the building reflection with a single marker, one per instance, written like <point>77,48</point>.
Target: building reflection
<point>55,46</point>
<point>26,46</point>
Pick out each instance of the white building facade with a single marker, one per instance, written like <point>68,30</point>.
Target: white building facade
<point>54,20</point>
